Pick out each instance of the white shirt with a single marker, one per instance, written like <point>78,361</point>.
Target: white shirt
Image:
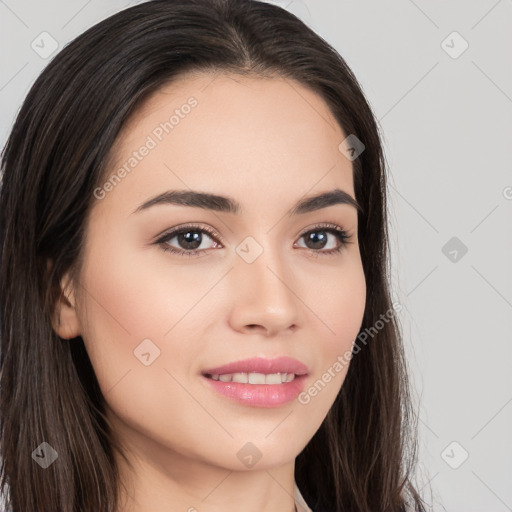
<point>302,506</point>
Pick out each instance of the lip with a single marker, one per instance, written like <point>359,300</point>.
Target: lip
<point>261,365</point>
<point>260,395</point>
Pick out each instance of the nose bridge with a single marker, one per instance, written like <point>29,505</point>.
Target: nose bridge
<point>264,293</point>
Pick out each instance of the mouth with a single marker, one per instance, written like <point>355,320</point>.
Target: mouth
<point>253,378</point>
<point>258,382</point>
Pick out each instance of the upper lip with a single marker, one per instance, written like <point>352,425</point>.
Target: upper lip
<point>260,365</point>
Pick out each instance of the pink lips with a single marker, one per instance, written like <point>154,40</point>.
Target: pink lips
<point>259,395</point>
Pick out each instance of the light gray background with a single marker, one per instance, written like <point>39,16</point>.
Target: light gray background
<point>447,131</point>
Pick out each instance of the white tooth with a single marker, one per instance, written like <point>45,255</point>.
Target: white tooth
<point>283,377</point>
<point>225,378</point>
<point>256,378</point>
<point>290,377</point>
<point>215,376</point>
<point>273,378</point>
<point>240,377</point>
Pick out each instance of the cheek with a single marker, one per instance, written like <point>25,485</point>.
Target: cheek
<point>338,303</point>
<point>339,309</point>
<point>127,315</point>
<point>137,306</point>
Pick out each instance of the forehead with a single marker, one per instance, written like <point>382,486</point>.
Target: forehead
<point>237,134</point>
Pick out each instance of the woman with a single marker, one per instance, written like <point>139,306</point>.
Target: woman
<point>194,297</point>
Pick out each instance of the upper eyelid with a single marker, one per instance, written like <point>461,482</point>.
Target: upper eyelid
<point>213,232</point>
<point>191,227</point>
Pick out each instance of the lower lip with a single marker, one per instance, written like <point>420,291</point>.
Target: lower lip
<point>260,395</point>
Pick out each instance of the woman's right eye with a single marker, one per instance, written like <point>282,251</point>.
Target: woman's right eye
<point>189,237</point>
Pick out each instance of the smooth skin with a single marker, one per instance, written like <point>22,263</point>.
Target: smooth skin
<point>267,143</point>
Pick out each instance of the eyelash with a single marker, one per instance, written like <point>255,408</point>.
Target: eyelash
<point>343,237</point>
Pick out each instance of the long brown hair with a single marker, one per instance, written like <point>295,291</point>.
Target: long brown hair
<point>363,455</point>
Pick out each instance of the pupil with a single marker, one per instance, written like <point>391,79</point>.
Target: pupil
<point>190,237</point>
<point>313,237</point>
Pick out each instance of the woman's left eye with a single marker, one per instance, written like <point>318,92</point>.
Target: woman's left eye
<point>192,237</point>
<point>319,236</point>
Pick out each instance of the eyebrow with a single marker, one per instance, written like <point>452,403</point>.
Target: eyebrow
<point>225,204</point>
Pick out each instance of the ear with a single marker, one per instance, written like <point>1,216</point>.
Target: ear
<point>65,319</point>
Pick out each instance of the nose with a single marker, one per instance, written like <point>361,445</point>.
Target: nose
<point>262,298</point>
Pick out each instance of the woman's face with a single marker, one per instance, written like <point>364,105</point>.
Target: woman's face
<point>261,282</point>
